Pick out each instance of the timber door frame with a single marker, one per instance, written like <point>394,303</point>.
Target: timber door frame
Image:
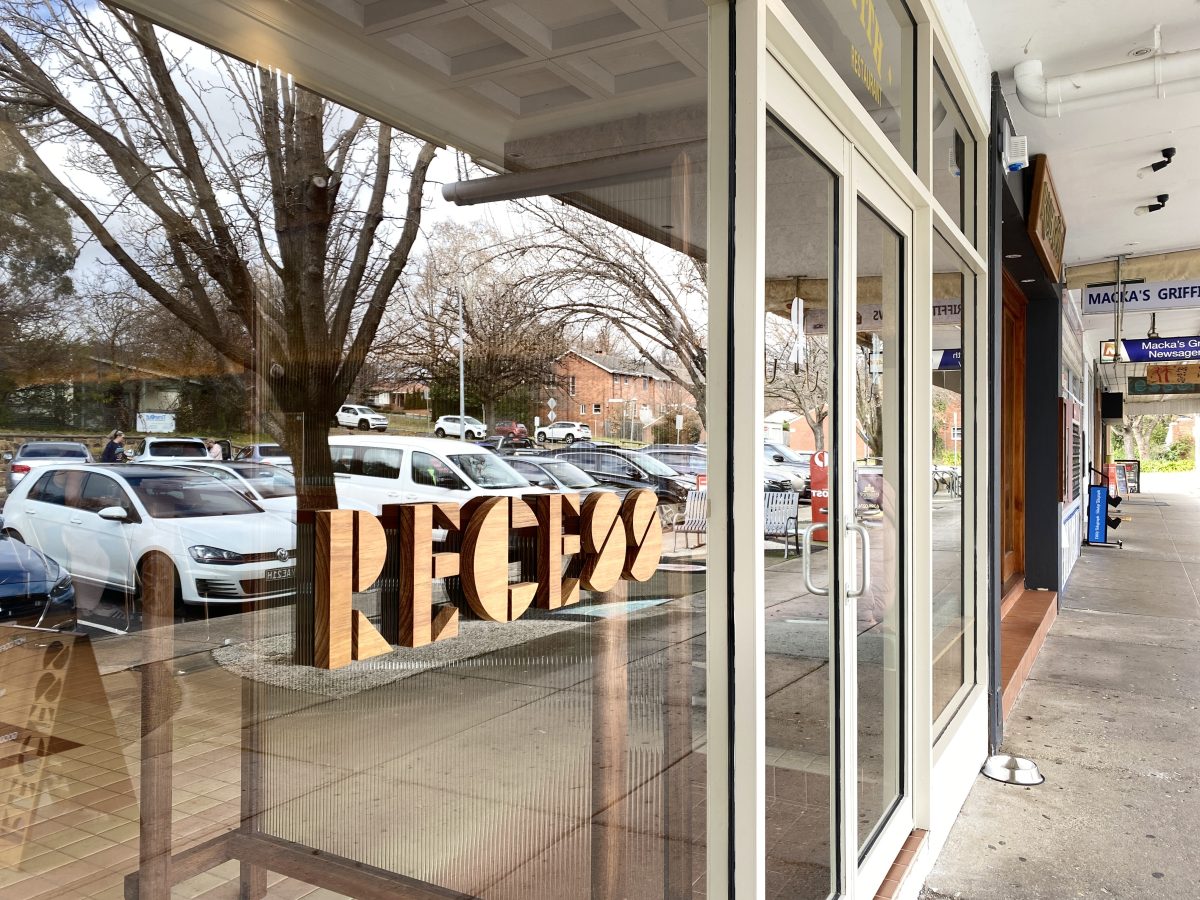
<point>1012,437</point>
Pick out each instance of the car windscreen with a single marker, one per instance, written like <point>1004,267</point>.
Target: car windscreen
<point>188,449</point>
<point>652,465</point>
<point>474,422</point>
<point>175,495</point>
<point>53,451</point>
<point>269,481</point>
<point>789,455</point>
<point>570,475</point>
<point>271,450</point>
<point>488,471</point>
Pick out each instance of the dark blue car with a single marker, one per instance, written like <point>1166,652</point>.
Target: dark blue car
<point>35,591</point>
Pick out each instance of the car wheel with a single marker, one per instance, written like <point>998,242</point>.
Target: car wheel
<point>439,432</point>
<point>570,439</point>
<point>364,425</point>
<point>472,436</point>
<point>541,437</point>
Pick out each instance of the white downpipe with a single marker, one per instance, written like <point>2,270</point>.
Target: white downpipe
<point>1140,79</point>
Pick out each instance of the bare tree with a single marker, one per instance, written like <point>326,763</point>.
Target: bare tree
<point>512,338</point>
<point>263,218</point>
<point>597,274</point>
<point>804,386</point>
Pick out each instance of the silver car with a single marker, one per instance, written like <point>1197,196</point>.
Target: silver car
<point>34,454</point>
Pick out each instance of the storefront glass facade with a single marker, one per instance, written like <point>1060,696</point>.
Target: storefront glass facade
<point>401,338</point>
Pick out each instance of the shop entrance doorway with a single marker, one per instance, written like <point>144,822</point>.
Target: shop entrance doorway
<point>1012,440</point>
<point>837,640</point>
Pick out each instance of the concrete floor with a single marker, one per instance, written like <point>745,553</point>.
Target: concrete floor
<point>1111,714</point>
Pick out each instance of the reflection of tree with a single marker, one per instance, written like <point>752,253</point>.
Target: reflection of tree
<point>597,274</point>
<point>259,215</point>
<point>36,253</point>
<point>806,389</point>
<point>511,338</point>
<point>869,400</point>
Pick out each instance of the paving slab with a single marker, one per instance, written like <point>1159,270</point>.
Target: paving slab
<point>1111,714</point>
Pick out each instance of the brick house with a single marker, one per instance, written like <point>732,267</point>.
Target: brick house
<point>615,396</point>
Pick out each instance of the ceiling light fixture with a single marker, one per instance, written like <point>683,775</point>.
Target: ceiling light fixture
<point>1168,154</point>
<point>1152,207</point>
<point>1012,255</point>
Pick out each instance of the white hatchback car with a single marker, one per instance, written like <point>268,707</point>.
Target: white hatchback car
<point>564,431</point>
<point>101,523</point>
<point>361,417</point>
<point>391,469</point>
<point>271,487</point>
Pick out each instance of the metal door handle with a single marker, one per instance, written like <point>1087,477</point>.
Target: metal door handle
<point>866,559</point>
<point>76,521</point>
<point>806,568</point>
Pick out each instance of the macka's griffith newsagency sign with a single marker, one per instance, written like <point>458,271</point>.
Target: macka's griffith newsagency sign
<point>1147,296</point>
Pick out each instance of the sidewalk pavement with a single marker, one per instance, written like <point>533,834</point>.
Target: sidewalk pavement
<point>1111,714</point>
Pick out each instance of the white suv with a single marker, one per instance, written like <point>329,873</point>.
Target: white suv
<point>361,417</point>
<point>448,426</point>
<point>564,431</point>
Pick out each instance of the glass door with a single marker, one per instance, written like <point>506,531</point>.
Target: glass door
<point>837,250</point>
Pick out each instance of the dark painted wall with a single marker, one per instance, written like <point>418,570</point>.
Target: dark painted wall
<point>1042,383</point>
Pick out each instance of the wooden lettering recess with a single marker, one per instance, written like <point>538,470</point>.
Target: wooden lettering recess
<point>615,540</point>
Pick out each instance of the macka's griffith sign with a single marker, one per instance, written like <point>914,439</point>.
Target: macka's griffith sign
<point>609,539</point>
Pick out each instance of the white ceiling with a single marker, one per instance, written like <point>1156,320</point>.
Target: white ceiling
<point>1094,155</point>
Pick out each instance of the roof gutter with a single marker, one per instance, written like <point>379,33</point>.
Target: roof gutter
<point>1142,79</point>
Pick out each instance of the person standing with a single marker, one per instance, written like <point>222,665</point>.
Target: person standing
<point>112,450</point>
<point>214,449</point>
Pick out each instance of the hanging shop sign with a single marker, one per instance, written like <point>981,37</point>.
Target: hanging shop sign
<point>1146,296</point>
<point>1153,349</point>
<point>1179,374</point>
<point>870,316</point>
<point>612,539</point>
<point>947,359</point>
<point>1046,226</point>
<point>1143,387</point>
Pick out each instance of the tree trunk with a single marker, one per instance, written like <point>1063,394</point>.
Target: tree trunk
<point>305,408</point>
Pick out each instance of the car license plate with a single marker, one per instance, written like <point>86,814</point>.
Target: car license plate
<point>279,574</point>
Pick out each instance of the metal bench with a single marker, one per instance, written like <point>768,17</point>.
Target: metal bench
<point>780,509</point>
<point>693,519</point>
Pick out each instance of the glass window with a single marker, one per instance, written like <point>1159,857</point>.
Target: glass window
<point>872,45</point>
<point>100,492</point>
<point>953,158</point>
<point>800,221</point>
<point>430,471</point>
<point>343,459</point>
<point>381,462</point>
<point>47,450</point>
<point>171,495</point>
<point>173,449</point>
<point>304,254</point>
<point>487,471</point>
<point>595,409</point>
<point>953,615</point>
<point>51,488</point>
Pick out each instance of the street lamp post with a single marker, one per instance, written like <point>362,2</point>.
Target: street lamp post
<point>462,410</point>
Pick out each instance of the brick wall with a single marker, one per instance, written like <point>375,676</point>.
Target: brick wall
<point>610,403</point>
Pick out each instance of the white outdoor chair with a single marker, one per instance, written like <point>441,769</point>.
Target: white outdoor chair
<point>693,519</point>
<point>780,510</point>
